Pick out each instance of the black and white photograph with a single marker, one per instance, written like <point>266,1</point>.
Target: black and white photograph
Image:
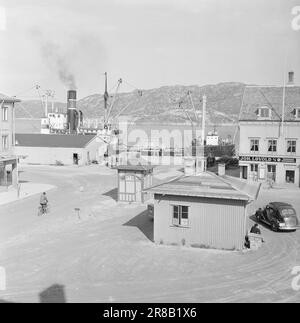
<point>149,154</point>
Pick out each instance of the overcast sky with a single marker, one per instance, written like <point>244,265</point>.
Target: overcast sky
<point>149,43</point>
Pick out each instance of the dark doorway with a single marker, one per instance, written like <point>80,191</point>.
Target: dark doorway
<point>9,177</point>
<point>244,172</point>
<point>75,159</point>
<point>272,172</point>
<point>290,176</point>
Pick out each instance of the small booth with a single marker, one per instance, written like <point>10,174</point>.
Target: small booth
<point>8,172</point>
<point>133,178</point>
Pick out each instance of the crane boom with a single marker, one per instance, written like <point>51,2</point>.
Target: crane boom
<point>114,99</point>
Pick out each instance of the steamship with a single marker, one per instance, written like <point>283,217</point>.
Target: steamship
<point>72,122</point>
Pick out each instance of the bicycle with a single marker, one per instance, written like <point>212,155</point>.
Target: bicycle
<point>43,209</point>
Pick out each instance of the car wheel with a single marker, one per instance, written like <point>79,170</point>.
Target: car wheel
<point>274,227</point>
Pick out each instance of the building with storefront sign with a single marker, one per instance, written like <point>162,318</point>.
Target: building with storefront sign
<point>8,160</point>
<point>270,133</point>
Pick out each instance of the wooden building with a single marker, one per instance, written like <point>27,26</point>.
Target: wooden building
<point>133,179</point>
<point>205,211</point>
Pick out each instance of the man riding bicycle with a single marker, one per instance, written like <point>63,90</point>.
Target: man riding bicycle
<point>44,202</point>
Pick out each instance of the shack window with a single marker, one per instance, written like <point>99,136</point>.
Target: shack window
<point>180,215</point>
<point>129,178</point>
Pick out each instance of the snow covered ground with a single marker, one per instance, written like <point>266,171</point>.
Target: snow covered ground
<point>106,254</point>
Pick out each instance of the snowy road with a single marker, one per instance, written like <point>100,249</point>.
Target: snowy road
<point>107,255</point>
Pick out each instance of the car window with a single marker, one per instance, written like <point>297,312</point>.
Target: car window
<point>288,212</point>
<point>271,211</point>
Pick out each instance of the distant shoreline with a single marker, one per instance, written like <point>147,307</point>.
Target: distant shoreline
<point>159,123</point>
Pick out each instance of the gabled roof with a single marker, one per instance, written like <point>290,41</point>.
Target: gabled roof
<point>207,185</point>
<point>271,96</point>
<point>7,99</point>
<point>53,140</point>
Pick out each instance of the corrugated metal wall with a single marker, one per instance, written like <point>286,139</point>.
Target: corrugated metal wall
<point>214,223</point>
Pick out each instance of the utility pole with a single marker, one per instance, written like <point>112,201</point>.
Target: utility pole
<point>204,101</point>
<point>46,105</point>
<point>48,94</point>
<point>37,87</point>
<point>105,100</point>
<point>283,106</point>
<point>52,96</point>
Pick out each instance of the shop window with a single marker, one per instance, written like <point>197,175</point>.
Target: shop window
<point>272,145</point>
<point>180,215</point>
<point>254,145</point>
<point>290,176</point>
<point>291,146</point>
<point>254,167</point>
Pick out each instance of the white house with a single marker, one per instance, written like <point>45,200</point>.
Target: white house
<point>53,149</point>
<point>270,134</point>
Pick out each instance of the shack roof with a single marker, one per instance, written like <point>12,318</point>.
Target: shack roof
<point>136,164</point>
<point>208,185</point>
<point>53,140</point>
<point>135,167</point>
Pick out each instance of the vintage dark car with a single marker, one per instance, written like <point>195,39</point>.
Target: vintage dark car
<point>279,216</point>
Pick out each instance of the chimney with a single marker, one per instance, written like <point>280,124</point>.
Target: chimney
<point>72,119</point>
<point>221,169</point>
<point>291,78</point>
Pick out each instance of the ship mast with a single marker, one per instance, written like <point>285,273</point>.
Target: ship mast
<point>105,101</point>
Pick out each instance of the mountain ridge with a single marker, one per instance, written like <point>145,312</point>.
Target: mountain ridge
<point>159,104</point>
